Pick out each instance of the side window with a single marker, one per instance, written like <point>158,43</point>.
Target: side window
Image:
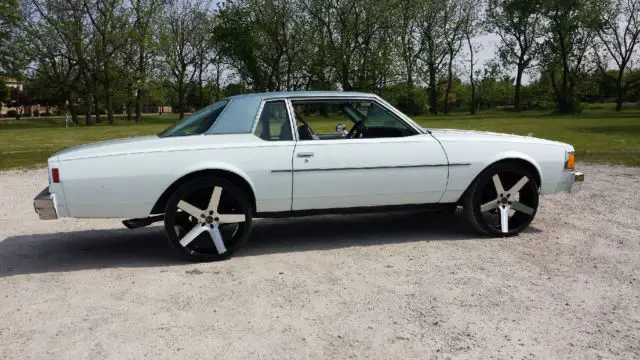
<point>321,119</point>
<point>273,124</point>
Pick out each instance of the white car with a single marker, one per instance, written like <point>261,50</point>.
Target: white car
<point>258,155</point>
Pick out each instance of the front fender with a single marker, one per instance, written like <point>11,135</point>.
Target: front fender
<point>511,154</point>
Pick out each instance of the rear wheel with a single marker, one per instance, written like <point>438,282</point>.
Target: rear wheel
<point>208,219</point>
<point>502,201</point>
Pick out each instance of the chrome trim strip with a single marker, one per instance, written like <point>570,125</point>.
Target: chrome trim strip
<point>369,168</point>
<point>292,119</point>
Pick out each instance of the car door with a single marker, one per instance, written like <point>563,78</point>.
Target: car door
<point>363,172</point>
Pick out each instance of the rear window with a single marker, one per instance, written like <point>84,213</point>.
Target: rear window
<point>198,122</point>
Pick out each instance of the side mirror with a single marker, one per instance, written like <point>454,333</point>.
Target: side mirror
<point>340,128</point>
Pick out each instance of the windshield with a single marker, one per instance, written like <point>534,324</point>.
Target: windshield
<point>198,122</point>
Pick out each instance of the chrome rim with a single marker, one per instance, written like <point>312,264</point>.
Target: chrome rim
<point>208,221</point>
<point>508,201</point>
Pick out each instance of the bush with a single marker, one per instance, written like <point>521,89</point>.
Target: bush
<point>35,113</point>
<point>542,105</point>
<point>13,113</point>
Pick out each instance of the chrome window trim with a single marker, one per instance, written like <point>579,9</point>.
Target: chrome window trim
<point>385,105</point>
<point>292,119</point>
<point>256,120</point>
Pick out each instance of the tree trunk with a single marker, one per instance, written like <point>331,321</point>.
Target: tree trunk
<point>447,90</point>
<point>200,91</point>
<point>130,109</point>
<point>108,98</point>
<point>516,99</point>
<point>433,90</point>
<point>87,110</point>
<point>471,79</point>
<point>218,75</point>
<point>449,83</point>
<point>181,99</point>
<point>138,105</point>
<point>74,112</point>
<point>96,108</point>
<point>619,91</point>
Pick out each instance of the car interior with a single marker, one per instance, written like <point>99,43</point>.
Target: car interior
<point>367,120</point>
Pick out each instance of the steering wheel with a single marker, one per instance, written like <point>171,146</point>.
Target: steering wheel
<point>357,130</point>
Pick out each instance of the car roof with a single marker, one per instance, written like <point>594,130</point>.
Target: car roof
<point>275,94</point>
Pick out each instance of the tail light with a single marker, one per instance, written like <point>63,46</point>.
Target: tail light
<point>55,175</point>
<point>570,164</point>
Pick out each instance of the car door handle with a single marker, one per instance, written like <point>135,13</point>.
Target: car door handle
<point>305,155</point>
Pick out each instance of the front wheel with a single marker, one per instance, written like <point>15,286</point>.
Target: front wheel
<point>208,219</point>
<point>502,201</point>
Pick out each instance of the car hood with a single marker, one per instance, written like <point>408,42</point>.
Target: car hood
<point>103,147</point>
<point>473,135</point>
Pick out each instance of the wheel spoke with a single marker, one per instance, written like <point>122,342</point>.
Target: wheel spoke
<point>489,206</point>
<point>191,235</point>
<point>504,218</point>
<point>518,185</point>
<point>498,184</point>
<point>190,209</point>
<point>231,218</point>
<point>522,208</point>
<point>217,239</point>
<point>215,199</point>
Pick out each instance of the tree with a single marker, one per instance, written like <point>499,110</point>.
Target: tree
<point>410,47</point>
<point>4,93</point>
<point>570,30</point>
<point>454,24</point>
<point>519,24</point>
<point>472,26</point>
<point>9,19</point>
<point>619,33</point>
<point>182,25</point>
<point>433,41</point>
<point>109,20</point>
<point>46,43</point>
<point>145,13</point>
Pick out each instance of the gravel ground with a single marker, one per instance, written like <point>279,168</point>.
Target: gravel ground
<point>411,285</point>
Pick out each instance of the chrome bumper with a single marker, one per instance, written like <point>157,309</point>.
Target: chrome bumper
<point>44,206</point>
<point>578,179</point>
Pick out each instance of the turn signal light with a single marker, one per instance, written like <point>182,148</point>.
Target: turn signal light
<point>571,161</point>
<point>55,175</point>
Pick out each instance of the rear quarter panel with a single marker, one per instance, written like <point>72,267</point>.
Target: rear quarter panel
<point>128,185</point>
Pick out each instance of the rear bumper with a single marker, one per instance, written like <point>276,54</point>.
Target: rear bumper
<point>45,206</point>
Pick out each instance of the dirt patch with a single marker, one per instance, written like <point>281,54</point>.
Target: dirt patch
<point>400,285</point>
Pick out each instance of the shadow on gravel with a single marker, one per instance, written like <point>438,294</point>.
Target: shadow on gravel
<point>95,249</point>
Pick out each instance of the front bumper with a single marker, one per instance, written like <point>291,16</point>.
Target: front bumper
<point>571,181</point>
<point>45,206</point>
<point>575,182</point>
<point>578,179</point>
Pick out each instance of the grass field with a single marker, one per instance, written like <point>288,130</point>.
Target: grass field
<point>600,136</point>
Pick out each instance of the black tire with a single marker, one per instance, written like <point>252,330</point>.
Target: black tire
<point>232,204</point>
<point>484,192</point>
